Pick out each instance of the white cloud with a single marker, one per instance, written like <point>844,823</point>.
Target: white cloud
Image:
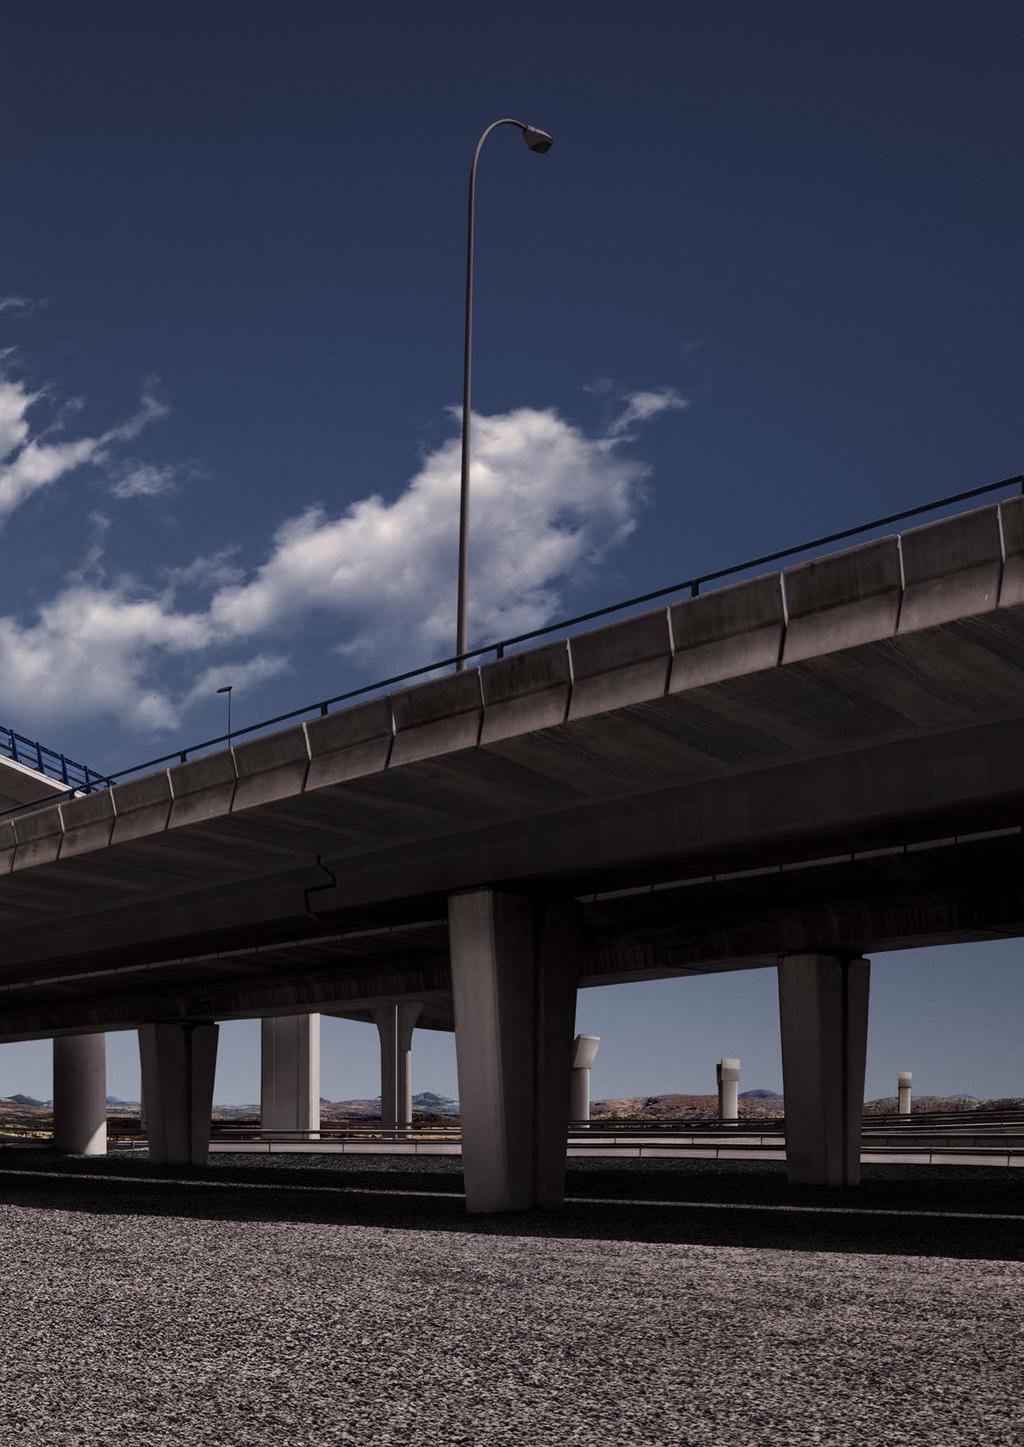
<point>17,303</point>
<point>28,464</point>
<point>546,500</point>
<point>548,503</point>
<point>146,479</point>
<point>642,406</point>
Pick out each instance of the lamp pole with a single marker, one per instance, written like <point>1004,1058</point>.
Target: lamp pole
<point>227,689</point>
<point>538,141</point>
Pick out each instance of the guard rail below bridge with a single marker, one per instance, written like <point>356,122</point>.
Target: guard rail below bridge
<point>940,1138</point>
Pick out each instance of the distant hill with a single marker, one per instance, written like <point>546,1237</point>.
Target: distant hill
<point>765,1104</point>
<point>26,1100</point>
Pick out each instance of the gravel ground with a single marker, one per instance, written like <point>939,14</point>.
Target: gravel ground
<point>343,1302</point>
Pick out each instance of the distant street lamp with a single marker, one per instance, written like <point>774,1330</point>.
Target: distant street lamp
<point>540,142</point>
<point>227,689</point>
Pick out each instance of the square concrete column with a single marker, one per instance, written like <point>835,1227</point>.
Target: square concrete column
<point>80,1094</point>
<point>290,1073</point>
<point>904,1082</point>
<point>728,1072</point>
<point>178,1065</point>
<point>514,971</point>
<point>395,1024</point>
<point>823,1006</point>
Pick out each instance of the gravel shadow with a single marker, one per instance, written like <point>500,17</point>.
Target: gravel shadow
<point>958,1212</point>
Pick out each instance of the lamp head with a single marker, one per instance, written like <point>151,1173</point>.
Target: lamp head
<point>538,141</point>
<point>226,689</point>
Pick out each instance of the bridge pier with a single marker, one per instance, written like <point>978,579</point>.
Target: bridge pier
<point>178,1064</point>
<point>290,1073</point>
<point>514,972</point>
<point>395,1024</point>
<point>80,1094</point>
<point>728,1072</point>
<point>584,1053</point>
<point>823,1007</point>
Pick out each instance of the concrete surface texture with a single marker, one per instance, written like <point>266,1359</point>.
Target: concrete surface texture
<point>80,1094</point>
<point>178,1067</point>
<point>728,1076</point>
<point>365,1310</point>
<point>584,1053</point>
<point>290,1073</point>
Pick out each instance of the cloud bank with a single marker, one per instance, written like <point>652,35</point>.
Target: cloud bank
<point>549,502</point>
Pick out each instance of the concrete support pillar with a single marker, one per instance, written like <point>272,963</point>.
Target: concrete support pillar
<point>290,1073</point>
<point>728,1070</point>
<point>584,1053</point>
<point>514,970</point>
<point>823,1005</point>
<point>395,1024</point>
<point>80,1094</point>
<point>178,1065</point>
<point>903,1081</point>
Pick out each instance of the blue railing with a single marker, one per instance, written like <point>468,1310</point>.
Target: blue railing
<point>691,586</point>
<point>35,755</point>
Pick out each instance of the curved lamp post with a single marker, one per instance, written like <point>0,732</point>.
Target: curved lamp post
<point>540,142</point>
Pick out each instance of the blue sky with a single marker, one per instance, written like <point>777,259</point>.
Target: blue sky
<point>766,284</point>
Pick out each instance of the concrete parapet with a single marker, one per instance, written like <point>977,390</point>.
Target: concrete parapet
<point>727,632</point>
<point>951,569</point>
<point>1012,515</point>
<point>622,664</point>
<point>39,836</point>
<point>202,788</point>
<point>272,767</point>
<point>88,823</point>
<point>842,600</point>
<point>437,717</point>
<point>525,691</point>
<point>141,806</point>
<point>349,744</point>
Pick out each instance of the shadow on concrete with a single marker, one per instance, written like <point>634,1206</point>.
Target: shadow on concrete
<point>960,1212</point>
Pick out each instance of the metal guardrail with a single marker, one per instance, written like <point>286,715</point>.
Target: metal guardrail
<point>691,585</point>
<point>35,755</point>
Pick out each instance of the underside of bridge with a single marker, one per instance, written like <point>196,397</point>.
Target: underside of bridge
<point>819,764</point>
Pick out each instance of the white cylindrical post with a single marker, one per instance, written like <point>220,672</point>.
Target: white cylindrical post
<point>80,1094</point>
<point>584,1053</point>
<point>903,1080</point>
<point>728,1071</point>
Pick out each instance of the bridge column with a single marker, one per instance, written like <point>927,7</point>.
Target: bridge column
<point>903,1085</point>
<point>80,1094</point>
<point>395,1024</point>
<point>728,1071</point>
<point>290,1073</point>
<point>823,1006</point>
<point>514,972</point>
<point>584,1053</point>
<point>178,1064</point>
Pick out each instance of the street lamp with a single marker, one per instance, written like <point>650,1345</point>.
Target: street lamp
<point>227,689</point>
<point>538,141</point>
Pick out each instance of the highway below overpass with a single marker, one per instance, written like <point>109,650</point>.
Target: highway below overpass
<point>802,769</point>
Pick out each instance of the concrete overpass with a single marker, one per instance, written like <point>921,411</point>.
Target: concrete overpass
<point>801,768</point>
